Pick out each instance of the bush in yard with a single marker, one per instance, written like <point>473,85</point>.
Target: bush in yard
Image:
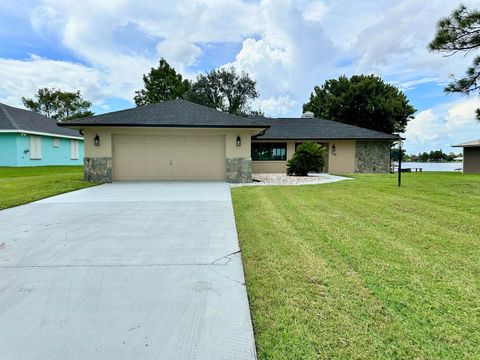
<point>308,157</point>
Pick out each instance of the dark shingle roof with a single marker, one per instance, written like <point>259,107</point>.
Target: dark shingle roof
<point>173,113</point>
<point>12,118</point>
<point>317,129</point>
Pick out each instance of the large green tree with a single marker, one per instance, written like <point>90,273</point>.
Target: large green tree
<point>460,32</point>
<point>224,89</point>
<point>161,84</point>
<point>59,105</point>
<point>365,101</point>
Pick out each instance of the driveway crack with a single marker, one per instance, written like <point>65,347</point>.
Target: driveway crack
<point>227,257</point>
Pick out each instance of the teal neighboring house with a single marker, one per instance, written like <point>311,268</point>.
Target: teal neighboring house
<point>31,139</point>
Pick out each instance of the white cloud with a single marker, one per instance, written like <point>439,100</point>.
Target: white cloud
<point>180,53</point>
<point>279,106</point>
<point>396,44</point>
<point>443,126</point>
<point>293,54</point>
<point>462,112</point>
<point>315,11</point>
<point>25,77</point>
<point>409,85</point>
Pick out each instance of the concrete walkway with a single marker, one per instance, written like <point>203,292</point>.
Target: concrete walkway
<point>124,271</point>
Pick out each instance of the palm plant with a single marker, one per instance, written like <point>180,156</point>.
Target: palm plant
<point>307,157</point>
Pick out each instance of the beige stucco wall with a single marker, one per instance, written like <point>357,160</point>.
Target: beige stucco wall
<point>343,160</point>
<point>471,160</point>
<point>105,134</point>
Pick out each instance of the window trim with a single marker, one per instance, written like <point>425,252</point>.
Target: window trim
<point>74,150</point>
<point>35,147</point>
<point>279,145</point>
<point>56,142</point>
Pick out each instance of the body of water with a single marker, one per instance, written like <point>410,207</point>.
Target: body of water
<point>432,166</point>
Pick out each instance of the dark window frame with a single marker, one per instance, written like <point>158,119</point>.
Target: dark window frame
<point>278,151</point>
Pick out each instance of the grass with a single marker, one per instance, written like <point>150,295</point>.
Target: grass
<point>363,269</point>
<point>26,184</point>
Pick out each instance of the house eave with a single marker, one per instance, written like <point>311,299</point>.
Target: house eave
<point>83,125</point>
<point>42,134</point>
<point>327,139</point>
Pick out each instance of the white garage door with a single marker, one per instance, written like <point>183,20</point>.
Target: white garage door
<point>157,157</point>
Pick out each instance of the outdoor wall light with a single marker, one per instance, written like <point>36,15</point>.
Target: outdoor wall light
<point>334,150</point>
<point>96,140</point>
<point>239,141</point>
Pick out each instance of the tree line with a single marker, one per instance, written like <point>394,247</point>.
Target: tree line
<point>432,156</point>
<point>360,100</point>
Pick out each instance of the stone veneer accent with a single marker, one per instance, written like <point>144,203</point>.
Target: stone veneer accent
<point>97,169</point>
<point>239,170</point>
<point>372,156</point>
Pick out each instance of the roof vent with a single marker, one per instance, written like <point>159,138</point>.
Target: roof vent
<point>308,115</point>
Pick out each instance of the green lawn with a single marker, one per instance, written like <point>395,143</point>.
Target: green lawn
<point>26,184</point>
<point>362,269</point>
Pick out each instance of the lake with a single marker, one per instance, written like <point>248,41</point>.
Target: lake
<point>432,166</point>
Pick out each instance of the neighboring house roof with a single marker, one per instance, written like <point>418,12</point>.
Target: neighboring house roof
<point>172,113</point>
<point>474,143</point>
<point>317,129</point>
<point>19,120</point>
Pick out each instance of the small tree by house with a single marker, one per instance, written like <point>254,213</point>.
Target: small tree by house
<point>161,84</point>
<point>308,157</point>
<point>225,89</point>
<point>59,105</point>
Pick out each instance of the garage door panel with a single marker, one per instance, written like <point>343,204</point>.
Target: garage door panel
<point>157,157</point>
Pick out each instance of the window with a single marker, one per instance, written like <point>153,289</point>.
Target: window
<point>35,147</point>
<point>56,142</point>
<point>269,151</point>
<point>74,149</point>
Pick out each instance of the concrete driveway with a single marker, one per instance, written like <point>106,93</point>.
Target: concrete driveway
<point>145,270</point>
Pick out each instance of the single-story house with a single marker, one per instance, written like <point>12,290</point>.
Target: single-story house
<point>180,140</point>
<point>471,156</point>
<point>31,139</point>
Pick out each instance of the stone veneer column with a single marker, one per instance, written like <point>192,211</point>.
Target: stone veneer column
<point>372,156</point>
<point>98,169</point>
<point>239,170</point>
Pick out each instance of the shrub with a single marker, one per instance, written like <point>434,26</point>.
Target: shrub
<point>308,157</point>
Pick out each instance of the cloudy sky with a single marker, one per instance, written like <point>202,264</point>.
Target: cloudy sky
<point>103,47</point>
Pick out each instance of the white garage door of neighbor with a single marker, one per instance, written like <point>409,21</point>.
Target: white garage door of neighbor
<point>158,157</point>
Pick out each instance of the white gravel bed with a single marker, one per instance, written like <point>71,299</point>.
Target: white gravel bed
<point>283,179</point>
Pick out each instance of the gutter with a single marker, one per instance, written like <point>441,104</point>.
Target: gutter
<point>334,138</point>
<point>70,124</point>
<point>42,133</point>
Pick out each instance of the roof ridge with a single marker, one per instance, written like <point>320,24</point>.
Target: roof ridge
<point>214,109</point>
<point>356,126</point>
<point>9,117</point>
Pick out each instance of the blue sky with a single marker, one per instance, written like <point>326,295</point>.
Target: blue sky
<point>288,46</point>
